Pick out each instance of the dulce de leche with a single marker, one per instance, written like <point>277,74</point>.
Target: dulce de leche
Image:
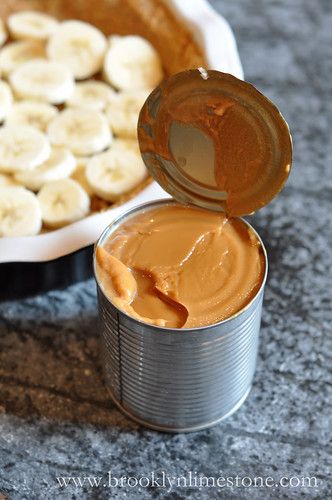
<point>179,266</point>
<point>212,140</point>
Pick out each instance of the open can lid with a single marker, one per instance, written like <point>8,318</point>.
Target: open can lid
<point>214,141</point>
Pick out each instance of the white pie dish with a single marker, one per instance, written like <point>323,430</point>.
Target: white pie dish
<point>213,34</point>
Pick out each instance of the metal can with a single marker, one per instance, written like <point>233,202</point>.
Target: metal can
<point>182,380</point>
<point>178,380</point>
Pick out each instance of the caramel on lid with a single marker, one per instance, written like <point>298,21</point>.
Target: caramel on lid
<point>215,141</point>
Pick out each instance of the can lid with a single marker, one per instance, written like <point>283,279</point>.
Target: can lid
<point>215,141</point>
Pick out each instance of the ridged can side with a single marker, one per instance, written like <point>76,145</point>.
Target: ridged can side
<point>178,380</point>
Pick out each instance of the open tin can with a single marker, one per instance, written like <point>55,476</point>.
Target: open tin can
<point>181,379</point>
<point>178,379</point>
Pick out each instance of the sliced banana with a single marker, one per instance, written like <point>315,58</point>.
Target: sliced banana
<point>42,80</point>
<point>91,94</point>
<point>34,113</point>
<point>79,46</point>
<point>20,213</point>
<point>7,181</point>
<point>125,144</point>
<point>31,25</point>
<point>114,173</point>
<point>83,131</point>
<point>16,53</point>
<point>131,62</point>
<point>6,99</point>
<point>111,39</point>
<point>63,202</point>
<point>123,110</point>
<point>60,164</point>
<point>79,173</point>
<point>82,161</point>
<point>22,148</point>
<point>3,33</point>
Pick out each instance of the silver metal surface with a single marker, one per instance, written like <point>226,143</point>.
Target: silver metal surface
<point>178,380</point>
<point>176,129</point>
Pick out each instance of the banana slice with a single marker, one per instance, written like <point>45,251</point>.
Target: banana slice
<point>59,165</point>
<point>3,33</point>
<point>63,202</point>
<point>16,53</point>
<point>42,80</point>
<point>82,161</point>
<point>123,110</point>
<point>80,177</point>
<point>114,173</point>
<point>125,144</point>
<point>22,148</point>
<point>91,94</point>
<point>34,113</point>
<point>83,131</point>
<point>111,39</point>
<point>6,99</point>
<point>20,213</point>
<point>31,25</point>
<point>79,174</point>
<point>131,62</point>
<point>7,181</point>
<point>79,46</point>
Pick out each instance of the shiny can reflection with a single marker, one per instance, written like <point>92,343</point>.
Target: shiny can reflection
<point>178,380</point>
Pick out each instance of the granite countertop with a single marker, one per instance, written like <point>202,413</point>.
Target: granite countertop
<point>56,418</point>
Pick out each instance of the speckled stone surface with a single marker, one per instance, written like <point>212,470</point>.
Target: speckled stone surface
<point>55,416</point>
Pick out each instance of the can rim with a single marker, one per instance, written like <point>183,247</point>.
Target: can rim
<point>150,204</point>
